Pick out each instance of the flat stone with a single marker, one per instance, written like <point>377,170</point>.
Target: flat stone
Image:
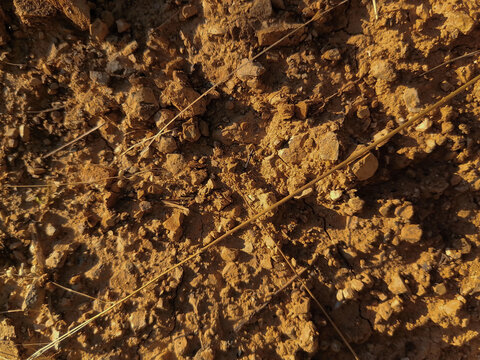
<point>366,167</point>
<point>138,320</point>
<point>249,70</point>
<point>397,286</point>
<point>328,148</point>
<point>272,34</point>
<point>411,100</point>
<point>383,70</point>
<point>461,21</point>
<point>98,30</point>
<point>411,233</point>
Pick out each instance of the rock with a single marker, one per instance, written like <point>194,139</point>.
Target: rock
<point>383,70</point>
<point>363,112</point>
<point>197,177</point>
<point>332,55</point>
<point>308,337</point>
<point>328,147</point>
<point>366,167</point>
<point>356,204</point>
<point>137,320</point>
<point>274,33</point>
<point>461,21</point>
<point>50,230</point>
<point>163,117</point>
<point>405,211</point>
<point>175,163</point>
<point>357,285</point>
<point>122,25</point>
<point>452,308</point>
<point>100,77</point>
<point>181,96</point>
<point>411,233</point>
<point>24,131</point>
<point>166,145</point>
<point>424,125</point>
<point>56,259</point>
<point>130,48</point>
<point>348,293</point>
<point>261,9</point>
<point>76,10</point>
<point>189,11</point>
<point>440,289</point>
<point>336,195</point>
<point>397,286</point>
<point>181,346</point>
<point>32,12</point>
<point>385,209</point>
<point>190,130</point>
<point>411,100</point>
<point>249,70</point>
<point>384,311</point>
<point>228,254</point>
<point>174,225</point>
<point>98,30</point>
<point>301,110</point>
<point>141,104</point>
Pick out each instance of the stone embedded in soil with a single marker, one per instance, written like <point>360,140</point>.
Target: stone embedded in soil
<point>335,195</point>
<point>301,110</point>
<point>181,96</point>
<point>98,30</point>
<point>411,100</point>
<point>138,320</point>
<point>308,337</point>
<point>329,147</point>
<point>175,163</point>
<point>274,33</point>
<point>384,311</point>
<point>181,346</point>
<point>411,233</point>
<point>461,21</point>
<point>452,308</point>
<point>166,145</point>
<point>396,285</point>
<point>332,55</point>
<point>363,112</point>
<point>357,285</point>
<point>174,225</point>
<point>424,125</point>
<point>249,70</point>
<point>383,70</point>
<point>366,167</point>
<point>405,211</point>
<point>190,130</point>
<point>76,10</point>
<point>50,230</point>
<point>356,204</point>
<point>440,289</point>
<point>261,9</point>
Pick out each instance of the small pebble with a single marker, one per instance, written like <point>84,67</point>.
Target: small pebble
<point>424,125</point>
<point>332,55</point>
<point>411,99</point>
<point>397,286</point>
<point>411,233</point>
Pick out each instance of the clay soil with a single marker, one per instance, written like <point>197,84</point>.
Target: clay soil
<point>389,246</point>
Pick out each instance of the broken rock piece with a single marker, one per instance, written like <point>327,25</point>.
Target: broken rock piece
<point>174,225</point>
<point>76,10</point>
<point>181,96</point>
<point>272,34</point>
<point>249,70</point>
<point>328,148</point>
<point>366,167</point>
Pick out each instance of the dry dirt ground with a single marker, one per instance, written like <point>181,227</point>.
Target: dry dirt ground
<point>390,245</point>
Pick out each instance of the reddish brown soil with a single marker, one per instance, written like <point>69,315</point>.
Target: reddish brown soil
<point>390,245</point>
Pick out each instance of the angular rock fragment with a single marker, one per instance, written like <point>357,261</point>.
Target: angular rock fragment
<point>249,70</point>
<point>98,30</point>
<point>396,285</point>
<point>174,225</point>
<point>411,100</point>
<point>76,10</point>
<point>181,96</point>
<point>272,34</point>
<point>366,167</point>
<point>328,147</point>
<point>411,233</point>
<point>383,70</point>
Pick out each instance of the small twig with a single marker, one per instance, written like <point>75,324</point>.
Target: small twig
<point>450,61</point>
<point>74,140</point>
<point>375,10</point>
<point>171,204</point>
<point>45,110</point>
<point>79,293</point>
